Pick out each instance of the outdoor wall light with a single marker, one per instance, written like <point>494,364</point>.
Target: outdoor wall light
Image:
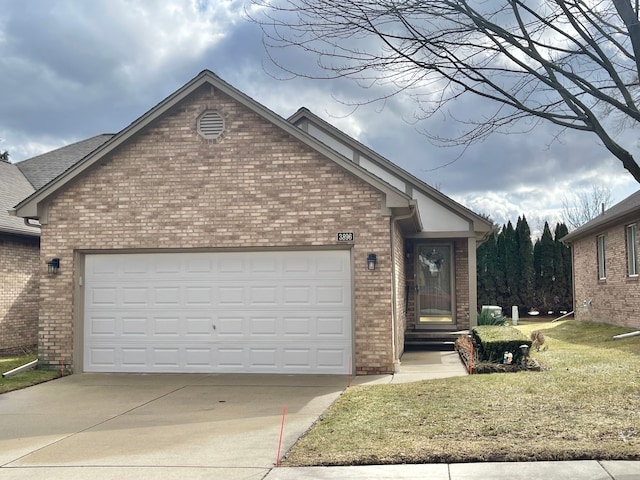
<point>371,261</point>
<point>53,265</point>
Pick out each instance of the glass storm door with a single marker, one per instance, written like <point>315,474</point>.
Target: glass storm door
<point>434,284</point>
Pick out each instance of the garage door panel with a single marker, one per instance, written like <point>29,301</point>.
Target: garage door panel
<point>230,326</point>
<point>331,265</point>
<point>103,357</point>
<point>198,358</point>
<point>134,296</point>
<point>198,296</point>
<point>199,327</point>
<point>330,295</point>
<point>168,326</point>
<point>133,326</point>
<point>296,326</point>
<point>231,296</point>
<point>103,296</point>
<point>166,296</point>
<point>169,265</point>
<point>330,327</point>
<point>263,327</point>
<point>103,326</point>
<point>296,295</point>
<point>260,296</point>
<point>331,358</point>
<point>261,265</point>
<point>131,359</point>
<point>276,312</point>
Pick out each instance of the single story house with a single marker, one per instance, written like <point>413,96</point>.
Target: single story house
<point>605,265</point>
<point>20,242</point>
<point>213,235</point>
<point>19,267</point>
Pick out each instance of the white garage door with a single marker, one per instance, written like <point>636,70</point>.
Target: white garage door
<point>252,312</point>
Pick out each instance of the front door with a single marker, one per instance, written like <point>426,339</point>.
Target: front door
<point>435,285</point>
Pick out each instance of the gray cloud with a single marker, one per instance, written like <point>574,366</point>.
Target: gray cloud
<point>72,70</point>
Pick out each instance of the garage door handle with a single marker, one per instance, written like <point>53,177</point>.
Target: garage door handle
<point>214,326</point>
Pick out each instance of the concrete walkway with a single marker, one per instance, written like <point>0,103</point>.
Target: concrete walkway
<point>580,470</point>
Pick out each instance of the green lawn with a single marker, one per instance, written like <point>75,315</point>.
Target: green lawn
<point>586,405</point>
<point>24,379</point>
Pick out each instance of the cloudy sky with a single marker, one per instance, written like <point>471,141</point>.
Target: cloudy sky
<point>72,69</point>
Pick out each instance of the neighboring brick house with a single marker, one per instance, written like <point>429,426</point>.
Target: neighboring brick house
<point>605,266</point>
<point>19,254</point>
<point>20,264</point>
<point>212,235</point>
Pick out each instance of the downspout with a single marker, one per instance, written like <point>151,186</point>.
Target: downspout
<point>394,295</point>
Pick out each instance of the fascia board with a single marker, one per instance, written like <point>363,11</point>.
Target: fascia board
<point>602,226</point>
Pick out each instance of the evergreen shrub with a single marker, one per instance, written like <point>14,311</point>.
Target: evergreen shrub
<point>485,317</point>
<point>494,341</point>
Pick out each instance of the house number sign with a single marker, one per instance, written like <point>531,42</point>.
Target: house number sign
<point>345,236</point>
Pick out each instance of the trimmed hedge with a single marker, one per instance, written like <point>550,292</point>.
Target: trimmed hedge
<point>494,341</point>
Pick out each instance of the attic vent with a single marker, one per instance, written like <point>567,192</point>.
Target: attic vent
<point>210,125</point>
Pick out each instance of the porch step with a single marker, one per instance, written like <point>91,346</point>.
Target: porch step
<point>443,340</point>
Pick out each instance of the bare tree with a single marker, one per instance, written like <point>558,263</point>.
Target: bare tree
<point>574,63</point>
<point>586,206</point>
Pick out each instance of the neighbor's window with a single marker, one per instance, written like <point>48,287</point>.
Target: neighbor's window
<point>602,273</point>
<point>632,251</point>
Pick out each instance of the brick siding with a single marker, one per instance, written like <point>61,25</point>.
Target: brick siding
<point>255,187</point>
<point>615,300</point>
<point>19,271</point>
<point>461,248</point>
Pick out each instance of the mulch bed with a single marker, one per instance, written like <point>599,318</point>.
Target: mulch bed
<point>464,347</point>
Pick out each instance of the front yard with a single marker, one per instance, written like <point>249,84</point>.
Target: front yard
<point>585,405</point>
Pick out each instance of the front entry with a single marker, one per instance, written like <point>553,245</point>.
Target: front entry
<point>434,285</point>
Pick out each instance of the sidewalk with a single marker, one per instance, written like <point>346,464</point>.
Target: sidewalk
<point>424,365</point>
<point>578,470</point>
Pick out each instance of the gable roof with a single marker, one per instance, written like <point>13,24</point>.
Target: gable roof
<point>41,169</point>
<point>621,211</point>
<point>303,115</point>
<point>13,188</point>
<point>35,206</point>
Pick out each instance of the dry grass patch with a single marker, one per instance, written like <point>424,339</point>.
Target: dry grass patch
<point>586,406</point>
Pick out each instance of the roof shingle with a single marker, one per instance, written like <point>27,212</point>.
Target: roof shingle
<point>41,169</point>
<point>620,210</point>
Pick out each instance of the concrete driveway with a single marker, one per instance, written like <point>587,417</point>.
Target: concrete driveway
<point>99,426</point>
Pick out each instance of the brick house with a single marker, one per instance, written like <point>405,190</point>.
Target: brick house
<point>605,265</point>
<point>212,235</point>
<point>20,242</point>
<point>19,260</point>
